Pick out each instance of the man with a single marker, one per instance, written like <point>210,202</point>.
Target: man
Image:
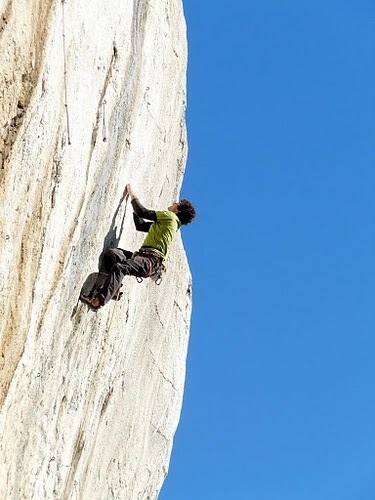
<point>161,227</point>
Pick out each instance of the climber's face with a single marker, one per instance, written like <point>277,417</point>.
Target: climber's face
<point>174,208</point>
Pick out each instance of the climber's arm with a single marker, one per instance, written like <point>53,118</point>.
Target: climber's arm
<point>143,212</point>
<point>141,224</point>
<point>138,208</point>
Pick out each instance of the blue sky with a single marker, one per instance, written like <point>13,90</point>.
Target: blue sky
<point>280,400</point>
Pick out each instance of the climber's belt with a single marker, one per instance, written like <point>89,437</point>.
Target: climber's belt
<point>150,251</point>
<point>157,269</point>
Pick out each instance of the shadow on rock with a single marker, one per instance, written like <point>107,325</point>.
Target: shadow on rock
<point>112,238</point>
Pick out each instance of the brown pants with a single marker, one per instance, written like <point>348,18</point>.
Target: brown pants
<point>119,263</point>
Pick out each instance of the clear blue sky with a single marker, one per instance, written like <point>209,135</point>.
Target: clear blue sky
<point>280,390</point>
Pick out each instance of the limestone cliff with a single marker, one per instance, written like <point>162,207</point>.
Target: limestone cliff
<point>92,97</point>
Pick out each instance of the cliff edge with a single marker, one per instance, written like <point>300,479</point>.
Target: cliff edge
<point>93,96</point>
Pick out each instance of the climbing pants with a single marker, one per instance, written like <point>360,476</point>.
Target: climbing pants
<point>119,263</point>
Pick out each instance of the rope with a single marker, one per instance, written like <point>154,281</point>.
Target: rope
<point>111,318</point>
<point>65,73</point>
<point>104,125</point>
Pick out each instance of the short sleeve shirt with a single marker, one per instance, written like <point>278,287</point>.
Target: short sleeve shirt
<point>162,232</point>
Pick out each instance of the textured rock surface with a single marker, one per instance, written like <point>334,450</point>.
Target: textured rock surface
<point>89,402</point>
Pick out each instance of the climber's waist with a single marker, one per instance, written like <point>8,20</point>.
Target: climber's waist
<point>151,251</point>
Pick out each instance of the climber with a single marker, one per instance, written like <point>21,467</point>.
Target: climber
<point>148,261</point>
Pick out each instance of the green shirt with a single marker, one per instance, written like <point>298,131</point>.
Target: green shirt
<point>162,232</point>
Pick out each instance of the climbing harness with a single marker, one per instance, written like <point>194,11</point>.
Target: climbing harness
<point>156,271</point>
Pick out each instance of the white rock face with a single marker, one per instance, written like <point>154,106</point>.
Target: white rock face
<point>89,402</point>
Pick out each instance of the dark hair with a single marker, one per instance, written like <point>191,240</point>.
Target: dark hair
<point>186,212</point>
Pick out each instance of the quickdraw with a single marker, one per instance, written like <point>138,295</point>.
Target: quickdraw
<point>157,275</point>
<point>156,271</point>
